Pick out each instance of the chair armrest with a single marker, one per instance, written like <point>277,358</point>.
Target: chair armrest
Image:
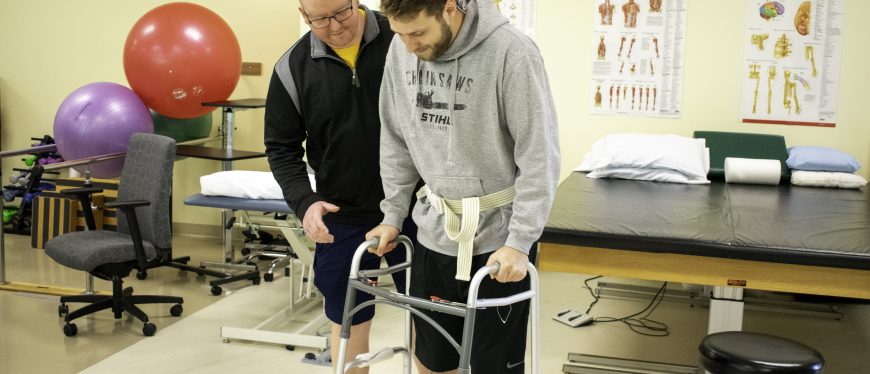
<point>84,196</point>
<point>81,191</point>
<point>128,208</point>
<point>128,204</point>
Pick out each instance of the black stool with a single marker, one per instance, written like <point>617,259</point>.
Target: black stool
<point>738,352</point>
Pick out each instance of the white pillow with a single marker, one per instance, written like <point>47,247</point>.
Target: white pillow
<point>242,184</point>
<point>827,179</point>
<point>659,175</point>
<point>649,151</point>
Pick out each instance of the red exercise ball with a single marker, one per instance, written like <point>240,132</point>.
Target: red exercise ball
<point>178,56</point>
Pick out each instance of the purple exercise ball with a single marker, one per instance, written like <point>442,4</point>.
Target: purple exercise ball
<point>98,119</point>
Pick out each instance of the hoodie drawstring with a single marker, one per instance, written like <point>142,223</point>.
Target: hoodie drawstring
<point>451,103</point>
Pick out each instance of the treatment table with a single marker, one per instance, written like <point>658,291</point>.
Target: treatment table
<point>730,236</point>
<point>303,298</point>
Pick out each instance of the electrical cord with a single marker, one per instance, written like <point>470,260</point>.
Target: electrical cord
<point>642,325</point>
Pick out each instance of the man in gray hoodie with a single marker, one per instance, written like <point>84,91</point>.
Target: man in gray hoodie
<point>465,105</point>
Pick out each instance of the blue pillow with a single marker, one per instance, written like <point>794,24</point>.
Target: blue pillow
<point>821,159</point>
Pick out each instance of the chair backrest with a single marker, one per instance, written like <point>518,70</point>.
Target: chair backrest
<point>147,175</point>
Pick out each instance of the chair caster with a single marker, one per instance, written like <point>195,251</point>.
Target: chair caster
<point>287,272</point>
<point>246,251</point>
<point>176,310</point>
<point>256,281</point>
<point>149,329</point>
<point>216,290</point>
<point>70,329</point>
<point>268,277</point>
<point>141,274</point>
<point>127,292</point>
<point>62,310</point>
<point>290,347</point>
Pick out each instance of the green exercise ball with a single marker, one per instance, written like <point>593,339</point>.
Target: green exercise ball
<point>182,130</point>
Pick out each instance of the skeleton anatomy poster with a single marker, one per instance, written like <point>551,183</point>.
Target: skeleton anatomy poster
<point>792,70</point>
<point>638,57</point>
<point>521,14</point>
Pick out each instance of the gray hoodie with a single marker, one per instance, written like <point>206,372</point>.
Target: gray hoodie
<point>475,121</point>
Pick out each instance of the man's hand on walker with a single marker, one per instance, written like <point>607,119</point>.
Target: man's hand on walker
<point>313,224</point>
<point>387,234</point>
<point>513,264</point>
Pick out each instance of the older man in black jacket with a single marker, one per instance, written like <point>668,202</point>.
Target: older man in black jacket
<point>324,92</point>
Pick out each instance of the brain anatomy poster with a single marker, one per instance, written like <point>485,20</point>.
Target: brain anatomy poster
<point>792,54</point>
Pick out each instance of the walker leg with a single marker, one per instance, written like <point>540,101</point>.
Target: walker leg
<point>467,337</point>
<point>534,314</point>
<point>342,352</point>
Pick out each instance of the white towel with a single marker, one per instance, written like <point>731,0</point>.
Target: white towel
<point>243,184</point>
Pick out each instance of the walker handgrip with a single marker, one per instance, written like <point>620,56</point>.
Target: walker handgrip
<point>372,243</point>
<point>493,268</point>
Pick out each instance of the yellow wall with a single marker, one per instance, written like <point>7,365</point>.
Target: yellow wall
<point>711,92</point>
<point>49,48</point>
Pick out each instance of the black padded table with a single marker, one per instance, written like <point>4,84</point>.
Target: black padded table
<point>782,224</point>
<point>731,236</point>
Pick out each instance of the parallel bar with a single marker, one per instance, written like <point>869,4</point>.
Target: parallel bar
<point>624,365</point>
<point>84,161</point>
<point>28,151</point>
<point>42,289</point>
<point>201,141</point>
<point>274,337</point>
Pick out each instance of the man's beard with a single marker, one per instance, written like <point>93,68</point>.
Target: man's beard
<point>443,44</point>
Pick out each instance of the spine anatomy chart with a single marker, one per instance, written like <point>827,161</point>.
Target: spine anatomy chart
<point>792,57</point>
<point>638,57</point>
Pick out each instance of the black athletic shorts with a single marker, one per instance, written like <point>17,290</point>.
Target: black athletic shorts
<point>332,268</point>
<point>499,343</point>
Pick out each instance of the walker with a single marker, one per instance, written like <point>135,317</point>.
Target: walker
<point>359,282</point>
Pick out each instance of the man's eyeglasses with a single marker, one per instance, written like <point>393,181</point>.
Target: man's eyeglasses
<point>339,16</point>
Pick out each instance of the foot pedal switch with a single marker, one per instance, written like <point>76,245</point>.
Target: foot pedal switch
<point>573,318</point>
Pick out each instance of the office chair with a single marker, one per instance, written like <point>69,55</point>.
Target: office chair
<point>145,184</point>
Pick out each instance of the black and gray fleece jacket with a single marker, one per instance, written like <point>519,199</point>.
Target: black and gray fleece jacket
<point>316,98</point>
